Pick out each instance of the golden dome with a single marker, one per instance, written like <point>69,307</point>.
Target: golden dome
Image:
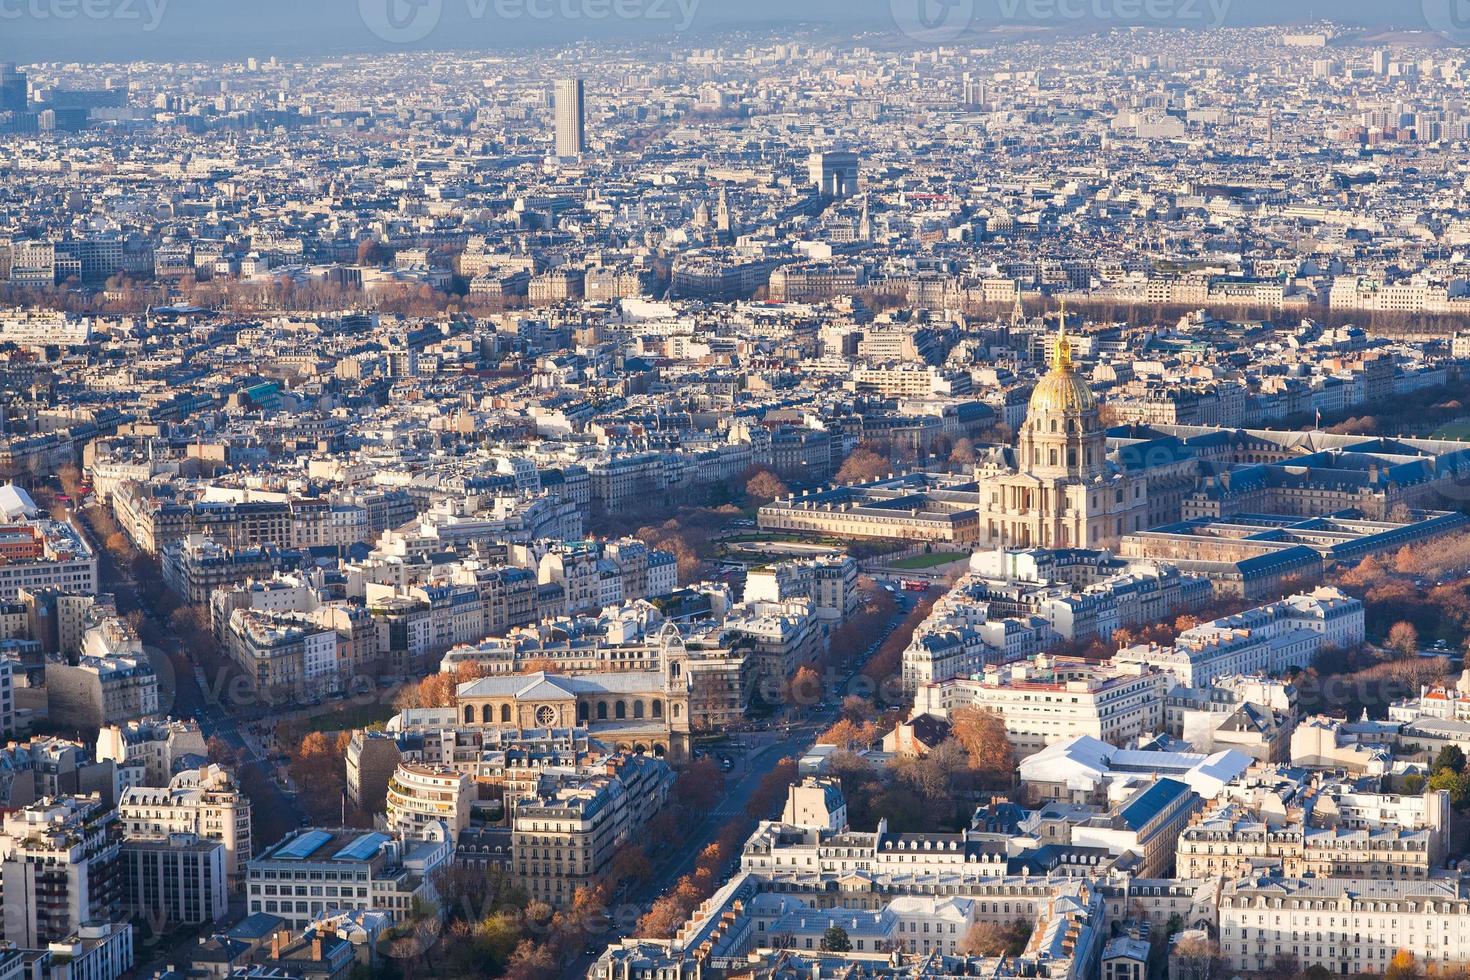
<point>1062,390</point>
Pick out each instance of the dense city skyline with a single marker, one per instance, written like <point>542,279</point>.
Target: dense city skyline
<point>913,490</point>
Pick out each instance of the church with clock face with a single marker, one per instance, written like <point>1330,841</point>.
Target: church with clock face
<point>1057,488</point>
<point>632,710</point>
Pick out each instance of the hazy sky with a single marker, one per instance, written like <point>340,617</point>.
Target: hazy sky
<point>51,30</point>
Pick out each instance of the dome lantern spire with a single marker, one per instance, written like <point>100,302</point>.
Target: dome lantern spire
<point>1062,361</point>
<point>1061,390</point>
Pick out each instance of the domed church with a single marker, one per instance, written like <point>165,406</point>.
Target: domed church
<point>1057,488</point>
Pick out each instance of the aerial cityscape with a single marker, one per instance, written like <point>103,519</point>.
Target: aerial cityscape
<point>906,493</point>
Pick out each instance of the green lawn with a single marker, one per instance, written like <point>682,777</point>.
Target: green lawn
<point>929,561</point>
<point>1459,429</point>
<point>360,716</point>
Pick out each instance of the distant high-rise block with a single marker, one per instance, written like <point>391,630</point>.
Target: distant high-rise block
<point>571,117</point>
<point>13,89</point>
<point>976,93</point>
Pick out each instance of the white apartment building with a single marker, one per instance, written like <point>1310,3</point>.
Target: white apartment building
<point>312,872</point>
<point>1229,842</point>
<point>1147,824</point>
<point>110,637</point>
<point>1051,699</point>
<point>95,951</point>
<point>285,650</point>
<point>148,749</point>
<point>7,697</point>
<point>1269,639</point>
<point>421,796</point>
<point>940,652</point>
<point>41,328</point>
<point>783,636</point>
<point>777,848</point>
<point>41,554</point>
<point>57,863</point>
<point>207,802</point>
<point>1437,701</point>
<point>830,582</point>
<point>564,834</point>
<point>1352,926</point>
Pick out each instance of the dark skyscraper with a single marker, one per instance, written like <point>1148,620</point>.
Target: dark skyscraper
<point>13,93</point>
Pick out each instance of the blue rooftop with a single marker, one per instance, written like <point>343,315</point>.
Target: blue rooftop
<point>304,846</point>
<point>363,848</point>
<point>1151,802</point>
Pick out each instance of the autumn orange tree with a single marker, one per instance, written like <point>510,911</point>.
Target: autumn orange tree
<point>533,665</point>
<point>532,961</point>
<point>587,911</point>
<point>983,939</point>
<point>676,537</point>
<point>70,478</point>
<point>669,912</point>
<point>319,768</point>
<point>806,687</point>
<point>663,918</point>
<point>1196,957</point>
<point>770,793</point>
<point>983,736</point>
<point>994,939</point>
<point>700,784</point>
<point>1368,572</point>
<point>434,691</point>
<point>1404,638</point>
<point>222,753</point>
<point>963,454</point>
<point>1403,966</point>
<point>441,690</point>
<point>847,734</point>
<point>764,486</point>
<point>858,709</point>
<point>888,661</point>
<point>853,637</point>
<point>863,466</point>
<point>629,863</point>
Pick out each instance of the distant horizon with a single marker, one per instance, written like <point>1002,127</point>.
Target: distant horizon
<point>214,30</point>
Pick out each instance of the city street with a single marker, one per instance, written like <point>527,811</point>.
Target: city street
<point>764,752</point>
<point>274,812</point>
